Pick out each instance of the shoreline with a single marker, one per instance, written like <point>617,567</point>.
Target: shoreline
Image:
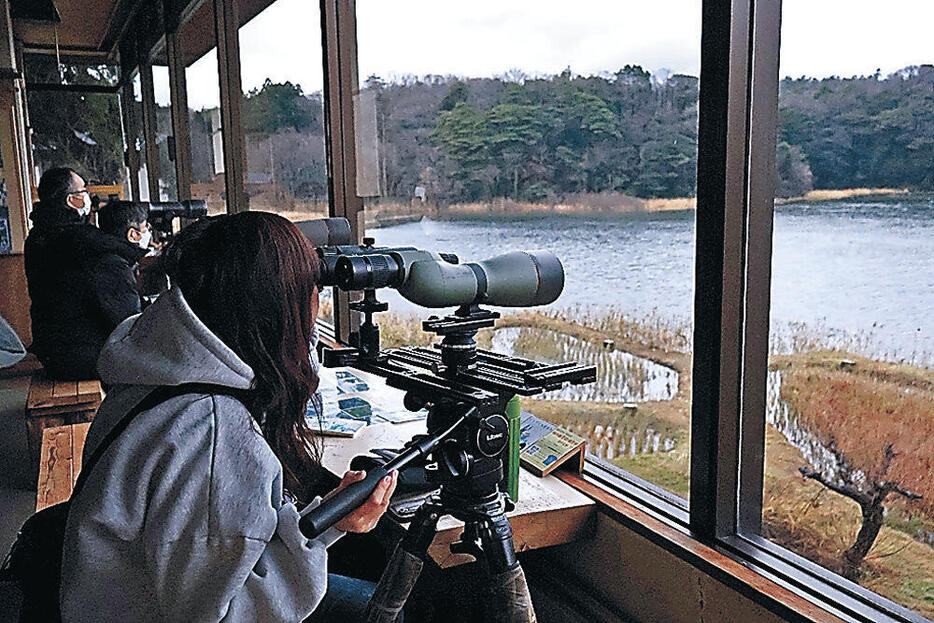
<point>394,213</point>
<point>390,213</point>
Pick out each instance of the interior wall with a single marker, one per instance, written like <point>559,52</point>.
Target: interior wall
<point>622,571</point>
<point>14,297</point>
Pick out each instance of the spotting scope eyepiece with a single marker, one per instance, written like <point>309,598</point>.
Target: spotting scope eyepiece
<point>364,267</point>
<point>388,268</point>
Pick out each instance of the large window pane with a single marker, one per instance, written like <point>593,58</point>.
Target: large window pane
<point>73,129</point>
<point>850,439</point>
<point>168,186</point>
<point>283,117</point>
<point>485,127</point>
<point>137,134</point>
<point>198,46</point>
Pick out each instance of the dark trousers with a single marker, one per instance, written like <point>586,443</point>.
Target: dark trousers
<point>345,601</point>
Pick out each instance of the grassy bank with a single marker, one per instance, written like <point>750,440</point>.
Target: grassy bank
<point>860,406</point>
<point>388,212</point>
<point>837,194</point>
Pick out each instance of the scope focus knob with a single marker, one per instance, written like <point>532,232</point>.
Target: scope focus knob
<point>492,435</point>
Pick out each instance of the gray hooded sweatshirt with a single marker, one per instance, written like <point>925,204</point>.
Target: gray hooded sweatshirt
<point>183,518</point>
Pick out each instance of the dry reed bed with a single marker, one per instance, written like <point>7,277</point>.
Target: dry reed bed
<point>871,400</point>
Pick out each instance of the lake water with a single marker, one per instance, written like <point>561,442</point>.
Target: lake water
<point>843,268</point>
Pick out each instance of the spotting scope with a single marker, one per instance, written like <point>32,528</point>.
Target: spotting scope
<point>189,208</point>
<point>514,279</point>
<point>162,213</point>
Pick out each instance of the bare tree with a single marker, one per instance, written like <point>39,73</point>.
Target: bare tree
<point>869,493</point>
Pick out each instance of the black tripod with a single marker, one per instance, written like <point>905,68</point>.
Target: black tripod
<point>468,472</point>
<point>487,536</point>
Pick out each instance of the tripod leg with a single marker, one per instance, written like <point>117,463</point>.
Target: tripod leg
<point>404,567</point>
<point>498,548</point>
<point>508,598</point>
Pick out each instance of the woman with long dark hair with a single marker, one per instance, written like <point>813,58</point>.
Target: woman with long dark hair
<point>186,515</point>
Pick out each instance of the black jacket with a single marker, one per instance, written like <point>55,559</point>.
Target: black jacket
<point>82,285</point>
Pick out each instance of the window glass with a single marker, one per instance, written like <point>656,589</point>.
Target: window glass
<point>198,46</point>
<point>487,127</point>
<point>168,186</point>
<point>142,174</point>
<point>850,437</point>
<point>44,68</point>
<point>73,129</point>
<point>90,142</point>
<point>282,113</point>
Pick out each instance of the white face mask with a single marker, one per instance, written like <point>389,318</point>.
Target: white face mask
<point>144,239</point>
<point>85,208</point>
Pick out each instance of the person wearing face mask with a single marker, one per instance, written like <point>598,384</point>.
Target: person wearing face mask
<point>111,276</point>
<point>80,278</point>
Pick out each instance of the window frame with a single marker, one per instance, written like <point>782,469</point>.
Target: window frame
<point>738,109</point>
<point>738,106</point>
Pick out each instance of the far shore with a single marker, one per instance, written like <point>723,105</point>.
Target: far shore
<point>386,213</point>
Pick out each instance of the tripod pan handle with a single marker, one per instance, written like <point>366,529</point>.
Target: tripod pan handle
<point>341,504</point>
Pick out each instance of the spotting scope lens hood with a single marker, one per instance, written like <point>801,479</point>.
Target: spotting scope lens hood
<point>514,279</point>
<point>322,232</point>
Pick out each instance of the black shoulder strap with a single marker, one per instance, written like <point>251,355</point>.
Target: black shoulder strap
<point>153,398</point>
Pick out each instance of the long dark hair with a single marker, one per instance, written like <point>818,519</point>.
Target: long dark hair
<point>251,278</point>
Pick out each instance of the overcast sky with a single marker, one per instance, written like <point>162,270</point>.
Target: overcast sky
<point>491,37</point>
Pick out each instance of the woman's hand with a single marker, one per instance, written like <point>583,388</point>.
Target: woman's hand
<point>365,517</point>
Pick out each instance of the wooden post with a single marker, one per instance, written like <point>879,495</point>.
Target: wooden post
<point>178,88</point>
<point>339,55</point>
<point>226,25</point>
<point>130,134</point>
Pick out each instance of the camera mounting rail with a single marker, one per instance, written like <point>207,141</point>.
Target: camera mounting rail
<point>456,370</point>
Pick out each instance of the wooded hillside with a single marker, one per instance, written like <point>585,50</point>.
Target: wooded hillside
<point>538,139</point>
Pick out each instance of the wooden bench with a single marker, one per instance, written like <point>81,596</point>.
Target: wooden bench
<point>55,403</point>
<point>61,461</point>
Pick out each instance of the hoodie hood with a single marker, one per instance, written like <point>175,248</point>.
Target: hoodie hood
<point>168,345</point>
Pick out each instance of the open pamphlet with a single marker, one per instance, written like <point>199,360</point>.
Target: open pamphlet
<point>543,446</point>
<point>349,403</point>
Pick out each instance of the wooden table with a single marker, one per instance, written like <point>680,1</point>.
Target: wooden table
<point>549,511</point>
